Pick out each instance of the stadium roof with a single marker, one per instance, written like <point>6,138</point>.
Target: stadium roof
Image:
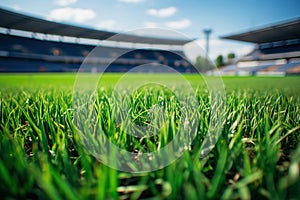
<point>13,20</point>
<point>287,30</point>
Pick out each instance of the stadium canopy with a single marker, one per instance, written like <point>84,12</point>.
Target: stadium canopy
<point>13,20</point>
<point>287,30</point>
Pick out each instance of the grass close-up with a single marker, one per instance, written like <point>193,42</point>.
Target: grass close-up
<point>51,149</point>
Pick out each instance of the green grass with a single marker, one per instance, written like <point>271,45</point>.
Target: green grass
<point>257,155</point>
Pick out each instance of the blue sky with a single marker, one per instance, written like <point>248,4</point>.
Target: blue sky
<point>188,17</point>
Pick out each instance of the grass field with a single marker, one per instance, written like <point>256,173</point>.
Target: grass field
<point>43,155</point>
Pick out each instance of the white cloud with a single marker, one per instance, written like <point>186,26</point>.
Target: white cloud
<point>164,12</point>
<point>131,1</point>
<point>106,24</point>
<point>179,24</point>
<point>64,2</point>
<point>72,14</point>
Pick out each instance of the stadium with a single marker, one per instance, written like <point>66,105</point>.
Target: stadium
<point>26,41</point>
<point>277,50</point>
<point>37,54</point>
<point>76,123</point>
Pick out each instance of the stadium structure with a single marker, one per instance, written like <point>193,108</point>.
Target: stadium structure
<point>277,50</point>
<point>32,44</point>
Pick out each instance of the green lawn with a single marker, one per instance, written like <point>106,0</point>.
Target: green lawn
<point>51,139</point>
<point>66,81</point>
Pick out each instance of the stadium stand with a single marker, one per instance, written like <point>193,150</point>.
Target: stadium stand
<point>277,50</point>
<point>27,53</point>
<point>288,66</point>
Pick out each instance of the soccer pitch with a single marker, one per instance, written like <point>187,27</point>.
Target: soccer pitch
<point>44,153</point>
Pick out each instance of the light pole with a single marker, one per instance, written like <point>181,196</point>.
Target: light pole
<point>207,32</point>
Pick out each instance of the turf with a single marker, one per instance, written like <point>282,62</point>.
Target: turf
<point>43,155</point>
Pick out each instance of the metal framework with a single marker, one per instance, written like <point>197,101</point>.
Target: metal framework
<point>287,30</point>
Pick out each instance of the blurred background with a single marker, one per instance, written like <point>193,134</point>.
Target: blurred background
<point>56,35</point>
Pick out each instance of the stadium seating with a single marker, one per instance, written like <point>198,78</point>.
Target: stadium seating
<point>278,58</point>
<point>20,54</point>
<point>276,52</point>
<point>292,67</point>
<point>288,66</point>
<point>281,49</point>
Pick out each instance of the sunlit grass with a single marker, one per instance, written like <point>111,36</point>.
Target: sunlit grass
<point>43,156</point>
